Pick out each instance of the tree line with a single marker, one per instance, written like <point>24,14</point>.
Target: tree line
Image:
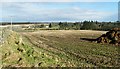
<point>85,25</point>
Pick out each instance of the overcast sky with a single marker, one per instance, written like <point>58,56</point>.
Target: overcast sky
<point>59,11</point>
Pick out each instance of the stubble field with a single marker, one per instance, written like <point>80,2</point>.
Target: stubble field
<point>61,48</point>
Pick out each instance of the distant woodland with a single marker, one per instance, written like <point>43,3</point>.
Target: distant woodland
<point>85,25</point>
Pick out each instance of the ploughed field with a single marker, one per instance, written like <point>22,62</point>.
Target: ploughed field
<point>74,51</point>
<point>61,48</point>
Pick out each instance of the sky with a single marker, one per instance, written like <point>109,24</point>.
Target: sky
<point>59,0</point>
<point>58,11</point>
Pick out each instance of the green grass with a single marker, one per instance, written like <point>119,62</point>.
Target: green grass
<point>29,56</point>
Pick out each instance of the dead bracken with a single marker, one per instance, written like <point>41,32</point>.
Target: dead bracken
<point>111,37</point>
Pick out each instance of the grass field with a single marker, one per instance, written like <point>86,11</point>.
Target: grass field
<point>54,48</point>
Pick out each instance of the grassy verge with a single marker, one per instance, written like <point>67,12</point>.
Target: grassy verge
<point>18,51</point>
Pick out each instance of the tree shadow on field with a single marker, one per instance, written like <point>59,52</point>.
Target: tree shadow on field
<point>88,39</point>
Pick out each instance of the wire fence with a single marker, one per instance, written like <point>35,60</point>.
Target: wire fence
<point>5,32</point>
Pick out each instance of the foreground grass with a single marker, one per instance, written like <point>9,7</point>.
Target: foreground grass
<point>17,51</point>
<point>50,48</point>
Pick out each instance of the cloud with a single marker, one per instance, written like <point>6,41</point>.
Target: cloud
<point>38,12</point>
